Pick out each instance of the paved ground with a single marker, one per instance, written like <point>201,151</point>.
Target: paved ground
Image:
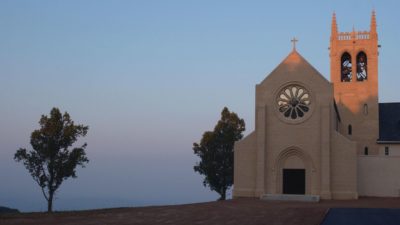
<point>239,211</point>
<point>362,216</point>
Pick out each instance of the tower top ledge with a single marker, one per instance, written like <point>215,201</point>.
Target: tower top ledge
<point>354,35</point>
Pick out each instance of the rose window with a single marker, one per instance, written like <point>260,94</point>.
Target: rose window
<point>293,102</point>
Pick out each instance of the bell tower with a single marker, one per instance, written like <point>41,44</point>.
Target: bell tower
<point>354,74</point>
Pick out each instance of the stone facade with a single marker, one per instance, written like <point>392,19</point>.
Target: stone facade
<point>310,134</point>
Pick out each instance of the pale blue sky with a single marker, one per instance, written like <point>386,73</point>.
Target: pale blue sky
<point>149,77</point>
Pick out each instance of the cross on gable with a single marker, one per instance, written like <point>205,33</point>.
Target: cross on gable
<point>294,40</point>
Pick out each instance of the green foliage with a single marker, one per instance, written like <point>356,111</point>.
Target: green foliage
<point>52,160</point>
<point>216,152</point>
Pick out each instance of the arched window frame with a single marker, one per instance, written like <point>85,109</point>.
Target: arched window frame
<point>349,130</point>
<point>362,66</point>
<point>346,74</point>
<point>365,108</point>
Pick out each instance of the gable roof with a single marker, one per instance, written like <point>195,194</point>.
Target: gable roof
<point>293,63</point>
<point>389,122</point>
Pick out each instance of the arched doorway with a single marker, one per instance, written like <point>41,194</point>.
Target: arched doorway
<point>293,175</point>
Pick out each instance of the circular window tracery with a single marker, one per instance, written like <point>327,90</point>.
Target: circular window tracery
<point>293,102</point>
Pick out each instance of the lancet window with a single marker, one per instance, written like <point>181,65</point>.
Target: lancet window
<point>346,73</point>
<point>362,66</point>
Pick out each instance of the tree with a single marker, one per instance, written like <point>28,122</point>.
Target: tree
<point>52,160</point>
<point>216,152</point>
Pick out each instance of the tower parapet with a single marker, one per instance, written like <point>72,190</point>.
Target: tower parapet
<point>354,35</point>
<point>357,35</point>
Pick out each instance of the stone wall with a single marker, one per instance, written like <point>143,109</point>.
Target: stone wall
<point>343,167</point>
<point>379,176</point>
<point>245,167</point>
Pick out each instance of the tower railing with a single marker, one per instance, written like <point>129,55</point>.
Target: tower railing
<point>344,36</point>
<point>360,35</point>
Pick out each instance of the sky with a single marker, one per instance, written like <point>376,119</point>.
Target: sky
<point>148,78</point>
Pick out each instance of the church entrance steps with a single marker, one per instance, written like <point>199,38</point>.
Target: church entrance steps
<point>288,197</point>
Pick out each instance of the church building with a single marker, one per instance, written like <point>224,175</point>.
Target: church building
<point>318,139</point>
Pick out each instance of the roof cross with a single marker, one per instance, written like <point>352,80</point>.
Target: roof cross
<point>294,40</point>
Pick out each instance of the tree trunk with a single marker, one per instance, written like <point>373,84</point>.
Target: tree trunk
<point>223,197</point>
<point>223,194</point>
<point>50,202</point>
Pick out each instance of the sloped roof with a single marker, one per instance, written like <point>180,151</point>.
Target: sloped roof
<point>389,122</point>
<point>294,63</point>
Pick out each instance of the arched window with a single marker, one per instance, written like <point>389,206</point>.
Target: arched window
<point>362,66</point>
<point>366,151</point>
<point>365,109</point>
<point>350,129</point>
<point>346,74</point>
